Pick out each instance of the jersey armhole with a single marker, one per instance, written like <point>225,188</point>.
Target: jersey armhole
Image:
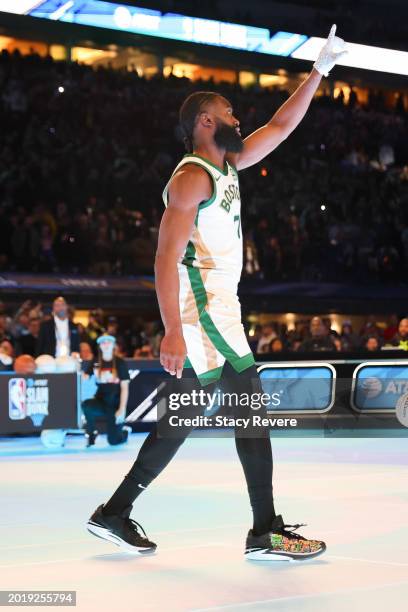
<point>210,200</point>
<point>204,203</point>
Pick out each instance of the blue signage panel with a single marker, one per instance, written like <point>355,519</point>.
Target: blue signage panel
<point>307,389</point>
<point>378,386</point>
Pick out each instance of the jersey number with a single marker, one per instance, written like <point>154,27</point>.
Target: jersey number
<point>237,218</point>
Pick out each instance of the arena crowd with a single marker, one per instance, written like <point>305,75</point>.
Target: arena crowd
<point>36,329</point>
<point>85,154</point>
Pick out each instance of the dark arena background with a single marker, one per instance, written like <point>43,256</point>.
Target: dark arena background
<point>90,93</point>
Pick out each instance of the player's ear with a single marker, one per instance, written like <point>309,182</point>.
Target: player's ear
<point>206,119</point>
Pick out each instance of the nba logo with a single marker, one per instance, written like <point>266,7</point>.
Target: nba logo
<point>17,399</point>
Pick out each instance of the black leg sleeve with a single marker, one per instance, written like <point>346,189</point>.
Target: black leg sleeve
<point>156,451</point>
<point>253,447</point>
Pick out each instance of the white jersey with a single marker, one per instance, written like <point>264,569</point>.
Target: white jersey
<point>215,245</point>
<point>209,273</point>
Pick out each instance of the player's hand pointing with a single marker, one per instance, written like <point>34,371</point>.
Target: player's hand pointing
<point>331,52</point>
<point>173,352</point>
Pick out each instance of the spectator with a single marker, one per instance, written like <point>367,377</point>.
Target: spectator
<point>370,327</point>
<point>254,338</point>
<point>19,324</point>
<point>95,328</point>
<point>111,396</point>
<point>320,339</point>
<point>28,342</point>
<point>6,356</point>
<point>401,338</point>
<point>392,329</point>
<point>112,327</point>
<point>86,352</point>
<point>349,340</point>
<point>267,335</point>
<point>58,336</point>
<point>276,346</point>
<point>371,343</point>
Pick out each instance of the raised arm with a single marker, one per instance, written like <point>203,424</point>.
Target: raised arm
<point>264,140</point>
<point>190,186</point>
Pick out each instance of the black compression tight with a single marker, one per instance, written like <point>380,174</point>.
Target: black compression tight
<point>254,452</point>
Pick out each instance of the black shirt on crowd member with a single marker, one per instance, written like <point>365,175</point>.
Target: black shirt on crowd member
<point>318,343</point>
<point>108,383</point>
<point>27,345</point>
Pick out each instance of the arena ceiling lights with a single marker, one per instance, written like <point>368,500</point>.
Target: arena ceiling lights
<point>203,31</point>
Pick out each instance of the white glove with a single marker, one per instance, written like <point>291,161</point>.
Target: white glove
<point>328,56</point>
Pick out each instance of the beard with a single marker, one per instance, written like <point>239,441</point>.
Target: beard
<point>226,137</point>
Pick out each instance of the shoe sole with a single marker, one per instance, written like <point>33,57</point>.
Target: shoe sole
<point>105,534</point>
<point>264,555</point>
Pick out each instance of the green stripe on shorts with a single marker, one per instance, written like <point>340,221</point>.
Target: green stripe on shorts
<point>238,363</point>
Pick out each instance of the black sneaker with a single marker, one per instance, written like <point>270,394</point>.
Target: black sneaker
<point>90,438</point>
<point>126,430</point>
<point>121,530</point>
<point>282,544</point>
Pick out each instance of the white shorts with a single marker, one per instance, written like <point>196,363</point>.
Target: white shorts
<point>212,328</point>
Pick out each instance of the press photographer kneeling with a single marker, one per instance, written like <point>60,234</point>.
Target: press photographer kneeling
<point>112,380</point>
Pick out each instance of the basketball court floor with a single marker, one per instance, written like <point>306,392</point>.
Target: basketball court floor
<point>352,493</point>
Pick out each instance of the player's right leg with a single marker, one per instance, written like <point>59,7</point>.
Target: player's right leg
<point>111,521</point>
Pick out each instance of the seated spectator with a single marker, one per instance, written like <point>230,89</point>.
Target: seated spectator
<point>400,340</point>
<point>320,339</point>
<point>109,403</point>
<point>28,342</point>
<point>19,324</point>
<point>371,343</point>
<point>267,335</point>
<point>349,340</point>
<point>86,352</point>
<point>254,338</point>
<point>392,329</point>
<point>276,346</point>
<point>370,328</point>
<point>6,356</point>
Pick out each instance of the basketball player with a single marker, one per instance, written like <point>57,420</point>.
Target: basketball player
<point>198,267</point>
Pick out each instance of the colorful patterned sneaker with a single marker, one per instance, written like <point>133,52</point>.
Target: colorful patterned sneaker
<point>282,544</point>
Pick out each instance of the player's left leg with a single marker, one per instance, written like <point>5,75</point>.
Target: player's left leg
<point>269,539</point>
<point>255,453</point>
